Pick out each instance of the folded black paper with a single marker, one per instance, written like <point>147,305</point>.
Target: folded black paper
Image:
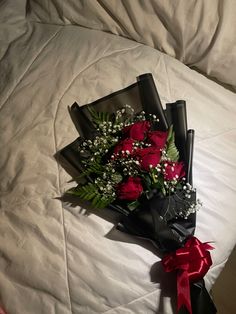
<point>200,299</point>
<point>150,99</point>
<point>82,123</point>
<point>189,156</point>
<point>70,154</point>
<point>177,116</point>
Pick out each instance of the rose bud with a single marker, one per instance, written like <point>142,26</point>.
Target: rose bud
<point>124,146</point>
<point>157,138</point>
<point>137,131</point>
<point>130,190</point>
<point>174,170</point>
<point>148,157</point>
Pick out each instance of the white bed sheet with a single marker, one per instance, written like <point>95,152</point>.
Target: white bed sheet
<point>55,259</point>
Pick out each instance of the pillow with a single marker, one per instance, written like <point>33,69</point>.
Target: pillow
<point>200,33</point>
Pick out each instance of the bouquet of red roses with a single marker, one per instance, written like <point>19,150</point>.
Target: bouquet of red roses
<point>137,159</point>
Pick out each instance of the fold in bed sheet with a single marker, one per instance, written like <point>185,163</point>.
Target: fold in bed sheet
<point>199,34</point>
<point>54,257</point>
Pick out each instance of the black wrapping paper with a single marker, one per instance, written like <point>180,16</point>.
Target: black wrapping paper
<point>147,220</point>
<point>176,113</point>
<point>189,156</point>
<point>82,123</point>
<point>150,99</point>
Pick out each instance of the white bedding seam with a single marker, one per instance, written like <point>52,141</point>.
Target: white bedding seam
<point>139,298</point>
<point>28,67</point>
<point>62,211</point>
<point>97,60</point>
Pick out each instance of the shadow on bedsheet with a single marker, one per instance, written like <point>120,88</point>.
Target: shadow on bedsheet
<point>157,275</point>
<point>78,207</point>
<point>166,281</point>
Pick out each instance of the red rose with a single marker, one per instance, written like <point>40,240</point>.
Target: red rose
<point>149,157</point>
<point>157,138</point>
<point>130,190</point>
<point>125,145</point>
<point>138,130</point>
<point>174,170</point>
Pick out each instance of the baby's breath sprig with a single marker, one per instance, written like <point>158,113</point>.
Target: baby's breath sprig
<point>189,205</point>
<point>100,145</point>
<point>126,164</point>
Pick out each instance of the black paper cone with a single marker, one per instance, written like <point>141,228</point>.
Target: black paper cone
<point>150,99</point>
<point>177,116</point>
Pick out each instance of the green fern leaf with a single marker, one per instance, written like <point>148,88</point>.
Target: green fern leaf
<point>90,192</point>
<point>171,150</point>
<point>99,117</point>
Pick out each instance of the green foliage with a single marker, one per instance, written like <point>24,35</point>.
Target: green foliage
<point>94,166</point>
<point>171,149</point>
<point>116,177</point>
<point>86,192</point>
<point>133,205</point>
<point>159,184</point>
<point>99,117</point>
<point>147,180</point>
<point>90,192</point>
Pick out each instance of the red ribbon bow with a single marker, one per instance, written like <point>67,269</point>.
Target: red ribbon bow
<point>192,263</point>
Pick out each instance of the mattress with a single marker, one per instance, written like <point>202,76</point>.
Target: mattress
<point>56,257</point>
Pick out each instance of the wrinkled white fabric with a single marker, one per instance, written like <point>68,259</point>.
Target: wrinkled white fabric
<point>55,258</point>
<point>12,22</point>
<point>199,33</point>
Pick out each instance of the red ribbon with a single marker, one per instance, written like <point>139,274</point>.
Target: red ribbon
<point>192,263</point>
